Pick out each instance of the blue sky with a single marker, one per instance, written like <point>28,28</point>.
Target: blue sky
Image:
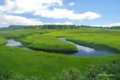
<point>78,12</point>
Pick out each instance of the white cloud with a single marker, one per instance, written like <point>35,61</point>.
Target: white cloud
<point>108,25</point>
<point>22,6</point>
<point>68,23</point>
<point>41,7</point>
<point>38,7</point>
<point>64,13</point>
<point>71,4</point>
<point>65,23</point>
<point>6,20</point>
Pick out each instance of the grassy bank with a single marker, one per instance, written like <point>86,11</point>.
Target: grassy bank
<point>102,39</point>
<point>48,43</point>
<point>3,41</point>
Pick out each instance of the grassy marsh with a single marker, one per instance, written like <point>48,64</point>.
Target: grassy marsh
<point>46,64</point>
<point>3,41</point>
<point>109,40</point>
<point>48,43</point>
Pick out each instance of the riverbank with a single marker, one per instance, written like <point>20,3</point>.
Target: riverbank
<point>87,51</point>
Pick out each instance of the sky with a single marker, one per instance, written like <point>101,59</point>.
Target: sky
<point>104,13</point>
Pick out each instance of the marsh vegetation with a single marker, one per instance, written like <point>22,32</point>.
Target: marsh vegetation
<point>48,64</point>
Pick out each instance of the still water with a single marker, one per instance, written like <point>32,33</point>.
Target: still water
<point>13,43</point>
<point>82,50</point>
<point>86,51</point>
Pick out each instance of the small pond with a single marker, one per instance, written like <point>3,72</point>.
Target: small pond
<point>86,51</point>
<point>82,50</point>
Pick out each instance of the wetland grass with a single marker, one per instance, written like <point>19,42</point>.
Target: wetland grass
<point>106,40</point>
<point>3,41</point>
<point>48,43</point>
<point>46,64</point>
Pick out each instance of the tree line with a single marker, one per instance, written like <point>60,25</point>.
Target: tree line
<point>14,27</point>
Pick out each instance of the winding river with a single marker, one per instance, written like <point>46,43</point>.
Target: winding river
<point>86,51</point>
<point>82,50</point>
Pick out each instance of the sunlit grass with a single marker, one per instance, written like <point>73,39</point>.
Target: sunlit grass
<point>46,64</point>
<point>21,33</point>
<point>3,41</point>
<point>49,43</point>
<point>92,38</point>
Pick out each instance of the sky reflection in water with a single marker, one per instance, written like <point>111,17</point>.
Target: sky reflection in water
<point>82,50</point>
<point>86,51</point>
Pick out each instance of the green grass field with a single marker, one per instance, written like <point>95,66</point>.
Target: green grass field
<point>48,43</point>
<point>47,64</point>
<point>3,41</point>
<point>21,33</point>
<point>99,39</point>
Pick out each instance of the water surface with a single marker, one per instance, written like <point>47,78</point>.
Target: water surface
<point>86,51</point>
<point>13,43</point>
<point>82,50</point>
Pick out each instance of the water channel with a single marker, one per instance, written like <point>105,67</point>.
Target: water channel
<point>13,43</point>
<point>86,51</point>
<point>82,50</point>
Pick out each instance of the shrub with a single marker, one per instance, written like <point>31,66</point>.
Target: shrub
<point>4,75</point>
<point>70,74</point>
<point>102,71</point>
<point>17,76</point>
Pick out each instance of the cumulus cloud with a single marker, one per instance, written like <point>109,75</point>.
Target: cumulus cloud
<point>65,23</point>
<point>108,25</point>
<point>71,4</point>
<point>64,13</point>
<point>41,7</point>
<point>22,6</point>
<point>6,20</point>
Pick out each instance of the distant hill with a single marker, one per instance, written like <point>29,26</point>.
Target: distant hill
<point>12,27</point>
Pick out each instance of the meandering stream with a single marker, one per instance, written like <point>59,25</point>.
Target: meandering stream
<point>86,51</point>
<point>82,50</point>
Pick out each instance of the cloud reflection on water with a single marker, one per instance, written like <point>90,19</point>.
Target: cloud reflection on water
<point>86,49</point>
